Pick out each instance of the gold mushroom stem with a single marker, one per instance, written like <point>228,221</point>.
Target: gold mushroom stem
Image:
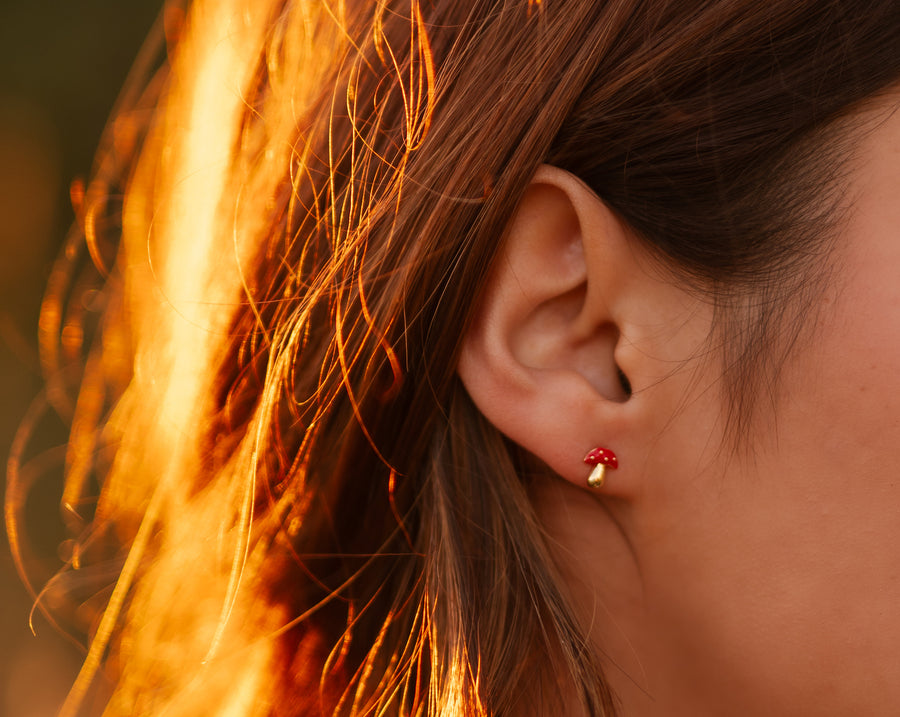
<point>597,476</point>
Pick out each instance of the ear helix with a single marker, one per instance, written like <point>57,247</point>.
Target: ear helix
<point>601,459</point>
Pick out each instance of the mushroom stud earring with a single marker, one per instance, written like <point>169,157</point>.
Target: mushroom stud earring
<point>600,458</point>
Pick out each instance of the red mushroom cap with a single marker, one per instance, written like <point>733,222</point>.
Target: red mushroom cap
<point>602,456</point>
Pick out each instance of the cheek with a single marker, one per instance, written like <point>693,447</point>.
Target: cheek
<point>778,566</point>
<point>840,397</point>
<point>855,354</point>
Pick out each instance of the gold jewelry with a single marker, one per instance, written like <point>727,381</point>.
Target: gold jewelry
<point>600,458</point>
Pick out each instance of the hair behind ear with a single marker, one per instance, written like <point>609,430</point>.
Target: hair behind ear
<point>486,549</point>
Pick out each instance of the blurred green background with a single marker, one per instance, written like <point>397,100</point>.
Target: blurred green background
<point>63,64</point>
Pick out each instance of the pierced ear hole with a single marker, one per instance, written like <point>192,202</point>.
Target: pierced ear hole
<point>624,383</point>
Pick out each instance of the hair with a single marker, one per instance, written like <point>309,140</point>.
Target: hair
<point>305,511</point>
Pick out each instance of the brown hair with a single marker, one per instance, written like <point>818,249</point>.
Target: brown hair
<point>315,516</point>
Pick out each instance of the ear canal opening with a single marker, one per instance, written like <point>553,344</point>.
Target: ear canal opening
<point>624,383</point>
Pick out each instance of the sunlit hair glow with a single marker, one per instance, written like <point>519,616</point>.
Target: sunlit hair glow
<point>305,511</point>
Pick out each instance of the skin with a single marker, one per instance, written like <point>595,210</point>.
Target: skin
<point>762,581</point>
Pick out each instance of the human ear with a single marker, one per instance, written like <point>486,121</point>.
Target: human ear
<point>576,332</point>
